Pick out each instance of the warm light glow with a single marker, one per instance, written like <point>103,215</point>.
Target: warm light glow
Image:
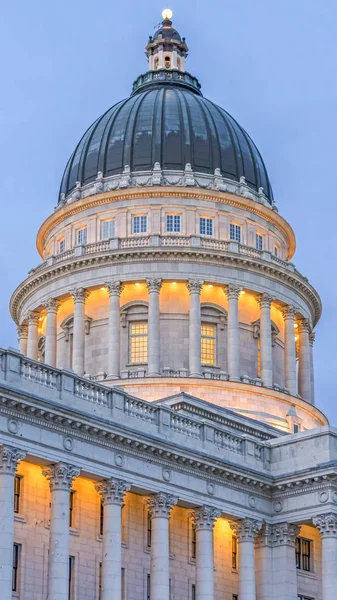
<point>167,14</point>
<point>102,289</point>
<point>137,283</point>
<point>295,325</point>
<point>296,338</point>
<point>242,292</point>
<point>210,285</point>
<point>174,283</point>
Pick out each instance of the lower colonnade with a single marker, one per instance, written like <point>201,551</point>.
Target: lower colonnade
<point>266,551</point>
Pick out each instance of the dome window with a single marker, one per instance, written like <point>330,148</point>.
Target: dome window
<point>235,232</point>
<point>206,226</point>
<point>167,62</point>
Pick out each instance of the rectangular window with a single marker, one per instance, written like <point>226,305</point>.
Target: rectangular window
<point>234,552</point>
<point>82,236</point>
<point>206,226</point>
<point>108,229</point>
<point>138,342</point>
<point>61,245</point>
<point>235,232</point>
<point>71,508</point>
<point>208,344</point>
<point>173,223</point>
<point>148,530</point>
<point>139,224</point>
<point>148,588</point>
<point>296,428</point>
<point>71,586</point>
<point>15,572</point>
<point>194,592</point>
<point>193,542</point>
<point>303,554</point>
<point>259,241</point>
<point>17,493</point>
<point>101,518</point>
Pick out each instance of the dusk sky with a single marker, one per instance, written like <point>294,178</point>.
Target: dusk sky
<point>272,65</point>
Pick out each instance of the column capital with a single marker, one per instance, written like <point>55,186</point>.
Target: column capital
<point>304,326</point>
<point>154,285</point>
<point>284,534</point>
<point>79,294</point>
<point>246,529</point>
<point>22,331</point>
<point>289,311</point>
<point>60,476</point>
<point>326,524</point>
<point>51,305</point>
<point>114,288</point>
<point>9,459</point>
<point>264,536</point>
<point>204,517</point>
<point>194,286</point>
<point>264,300</point>
<point>312,337</point>
<point>112,491</point>
<point>232,291</point>
<point>160,505</point>
<point>33,317</point>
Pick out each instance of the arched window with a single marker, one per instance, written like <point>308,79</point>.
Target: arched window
<point>134,318</point>
<point>156,62</point>
<point>167,62</point>
<point>213,320</point>
<point>178,63</point>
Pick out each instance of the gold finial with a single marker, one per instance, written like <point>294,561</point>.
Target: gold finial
<point>167,14</point>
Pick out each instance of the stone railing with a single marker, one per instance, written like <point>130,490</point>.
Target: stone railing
<point>51,389</point>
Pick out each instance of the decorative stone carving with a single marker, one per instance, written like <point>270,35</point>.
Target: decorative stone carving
<point>119,460</point>
<point>9,459</point>
<point>76,194</point>
<point>79,294</point>
<point>166,474</point>
<point>13,426</point>
<point>264,537</point>
<point>284,534</point>
<point>264,300</point>
<point>326,524</point>
<point>153,285</point>
<point>289,312</point>
<point>114,288</point>
<point>304,326</point>
<point>232,291</point>
<point>22,331</point>
<point>52,305</point>
<point>99,185</point>
<point>112,491</point>
<point>189,176</point>
<point>68,444</point>
<point>125,179</point>
<point>33,318</point>
<point>312,336</point>
<point>194,286</point>
<point>205,516</point>
<point>211,488</point>
<point>156,174</point>
<point>246,529</point>
<point>61,475</point>
<point>160,505</point>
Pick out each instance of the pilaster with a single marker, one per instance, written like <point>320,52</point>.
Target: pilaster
<point>194,287</point>
<point>233,333</point>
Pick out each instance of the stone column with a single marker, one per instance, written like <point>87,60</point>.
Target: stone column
<point>304,361</point>
<point>194,287</point>
<point>245,531</point>
<point>79,296</point>
<point>312,336</point>
<point>114,288</point>
<point>23,338</point>
<point>263,562</point>
<point>52,307</point>
<point>327,526</point>
<point>233,333</point>
<point>284,564</point>
<point>153,286</point>
<point>33,321</point>
<point>266,349</point>
<point>60,477</point>
<point>160,506</point>
<point>9,458</point>
<point>204,521</point>
<point>290,349</point>
<point>112,492</point>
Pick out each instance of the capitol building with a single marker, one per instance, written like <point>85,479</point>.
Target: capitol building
<point>159,438</point>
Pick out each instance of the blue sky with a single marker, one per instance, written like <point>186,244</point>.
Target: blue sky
<point>272,65</point>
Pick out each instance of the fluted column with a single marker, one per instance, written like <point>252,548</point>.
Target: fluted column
<point>9,458</point>
<point>52,307</point>
<point>153,286</point>
<point>290,349</point>
<point>312,337</point>
<point>245,531</point>
<point>160,506</point>
<point>114,288</point>
<point>266,346</point>
<point>327,526</point>
<point>194,287</point>
<point>204,520</point>
<point>60,477</point>
<point>284,564</point>
<point>233,333</point>
<point>23,338</point>
<point>79,296</point>
<point>263,562</point>
<point>304,364</point>
<point>112,492</point>
<point>33,321</point>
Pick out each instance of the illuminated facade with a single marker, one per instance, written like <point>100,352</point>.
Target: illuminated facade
<point>165,362</point>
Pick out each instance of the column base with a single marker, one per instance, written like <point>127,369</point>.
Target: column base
<point>195,375</point>
<point>154,374</point>
<point>113,377</point>
<point>235,379</point>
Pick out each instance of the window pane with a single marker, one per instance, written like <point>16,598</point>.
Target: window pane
<point>140,224</point>
<point>173,223</point>
<point>138,342</point>
<point>108,229</point>
<point>259,241</point>
<point>208,344</point>
<point>16,549</point>
<point>206,226</point>
<point>17,493</point>
<point>235,232</point>
<point>82,236</point>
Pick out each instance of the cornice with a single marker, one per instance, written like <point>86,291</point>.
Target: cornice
<point>148,254</point>
<point>252,206</point>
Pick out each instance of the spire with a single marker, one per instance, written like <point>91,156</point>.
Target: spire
<point>166,49</point>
